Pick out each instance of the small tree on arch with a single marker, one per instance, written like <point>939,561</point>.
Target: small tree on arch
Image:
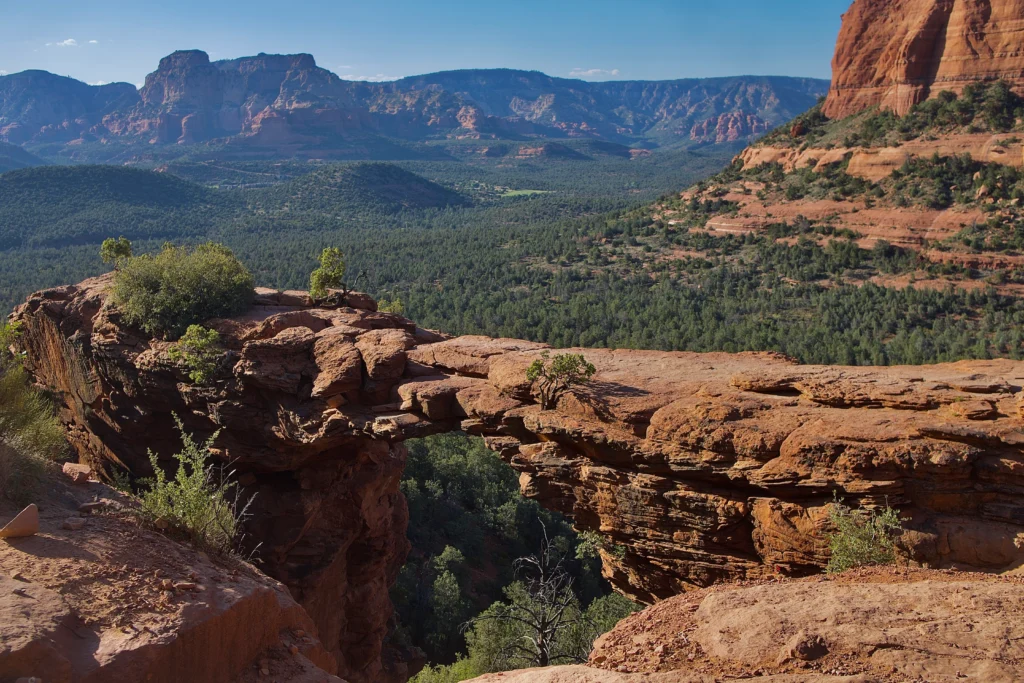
<point>330,274</point>
<point>557,375</point>
<point>116,251</point>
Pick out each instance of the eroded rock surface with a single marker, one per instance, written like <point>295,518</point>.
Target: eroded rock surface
<point>697,468</point>
<point>896,53</point>
<point>103,600</point>
<point>865,626</point>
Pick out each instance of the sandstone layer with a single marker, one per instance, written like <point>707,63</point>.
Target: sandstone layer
<point>699,468</point>
<point>896,53</point>
<point>877,163</point>
<point>867,626</point>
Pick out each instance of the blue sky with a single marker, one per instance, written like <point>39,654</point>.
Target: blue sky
<point>122,40</point>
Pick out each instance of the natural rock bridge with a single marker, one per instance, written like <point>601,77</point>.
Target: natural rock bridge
<point>704,467</point>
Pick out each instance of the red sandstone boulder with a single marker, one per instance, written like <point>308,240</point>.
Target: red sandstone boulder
<point>279,363</point>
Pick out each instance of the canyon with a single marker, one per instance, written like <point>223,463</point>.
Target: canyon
<point>701,468</point>
<point>709,477</point>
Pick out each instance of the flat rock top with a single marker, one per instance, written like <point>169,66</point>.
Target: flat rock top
<point>877,625</point>
<point>886,624</point>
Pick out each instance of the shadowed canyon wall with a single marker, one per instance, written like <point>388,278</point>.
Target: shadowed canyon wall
<point>702,467</point>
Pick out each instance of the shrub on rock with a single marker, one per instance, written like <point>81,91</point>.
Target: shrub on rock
<point>180,286</point>
<point>198,350</point>
<point>862,538</point>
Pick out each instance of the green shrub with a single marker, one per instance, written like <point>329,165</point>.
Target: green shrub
<point>30,434</point>
<point>592,542</point>
<point>330,274</point>
<point>863,537</point>
<point>198,350</point>
<point>182,286</point>
<point>116,251</point>
<point>199,502</point>
<point>462,670</point>
<point>557,375</point>
<point>391,306</point>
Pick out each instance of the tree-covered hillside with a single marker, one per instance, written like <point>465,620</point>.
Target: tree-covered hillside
<point>13,157</point>
<point>57,206</point>
<point>52,219</point>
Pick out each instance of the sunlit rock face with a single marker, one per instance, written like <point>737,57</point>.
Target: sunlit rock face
<point>896,53</point>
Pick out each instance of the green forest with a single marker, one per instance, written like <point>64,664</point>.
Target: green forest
<point>571,267</point>
<point>468,525</point>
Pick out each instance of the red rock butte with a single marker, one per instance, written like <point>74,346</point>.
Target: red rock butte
<point>701,468</point>
<point>896,53</point>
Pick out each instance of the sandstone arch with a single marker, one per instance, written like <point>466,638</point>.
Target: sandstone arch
<point>706,467</point>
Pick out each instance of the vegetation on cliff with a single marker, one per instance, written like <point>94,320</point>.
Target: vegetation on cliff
<point>166,293</point>
<point>30,435</point>
<point>198,351</point>
<point>862,537</point>
<point>991,107</point>
<point>200,501</point>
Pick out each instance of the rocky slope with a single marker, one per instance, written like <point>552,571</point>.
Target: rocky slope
<point>918,145</point>
<point>701,467</point>
<point>92,598</point>
<point>896,53</point>
<point>37,106</point>
<point>288,105</point>
<point>699,110</point>
<point>876,626</point>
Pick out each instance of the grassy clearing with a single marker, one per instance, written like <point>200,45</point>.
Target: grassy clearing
<point>524,193</point>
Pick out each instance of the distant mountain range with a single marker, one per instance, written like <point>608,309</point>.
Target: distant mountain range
<point>287,106</point>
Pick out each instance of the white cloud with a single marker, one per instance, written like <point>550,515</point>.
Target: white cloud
<point>100,83</point>
<point>345,67</point>
<point>3,73</point>
<point>379,78</point>
<point>593,73</point>
<point>94,42</point>
<point>70,42</point>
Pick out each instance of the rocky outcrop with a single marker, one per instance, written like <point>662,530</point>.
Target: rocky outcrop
<point>37,106</point>
<point>190,99</point>
<point>876,626</point>
<point>877,163</point>
<point>730,127</point>
<point>896,53</point>
<point>92,598</point>
<point>697,468</point>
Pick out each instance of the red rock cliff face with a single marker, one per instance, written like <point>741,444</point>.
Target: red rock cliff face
<point>190,99</point>
<point>700,467</point>
<point>896,53</point>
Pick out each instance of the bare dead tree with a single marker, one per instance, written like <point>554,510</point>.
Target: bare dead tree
<point>543,617</point>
